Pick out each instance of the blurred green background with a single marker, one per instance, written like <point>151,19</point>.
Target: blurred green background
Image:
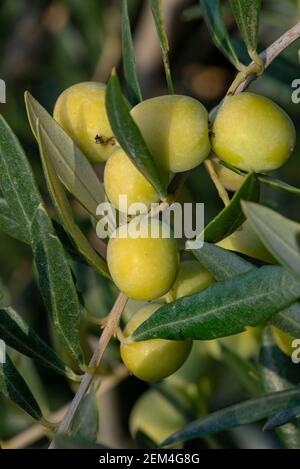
<point>46,46</point>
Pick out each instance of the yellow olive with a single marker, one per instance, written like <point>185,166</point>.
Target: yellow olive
<point>192,278</point>
<point>142,266</point>
<point>284,341</point>
<point>175,129</point>
<point>152,360</point>
<point>122,178</point>
<point>229,179</point>
<point>253,133</point>
<point>246,241</point>
<point>81,111</point>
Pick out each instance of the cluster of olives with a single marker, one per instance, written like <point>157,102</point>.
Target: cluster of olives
<point>249,132</point>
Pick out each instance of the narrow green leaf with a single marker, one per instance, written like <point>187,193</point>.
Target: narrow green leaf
<point>213,18</point>
<point>236,415</point>
<point>86,419</point>
<point>72,167</point>
<point>225,264</point>
<point>63,207</point>
<point>132,83</point>
<point>288,320</point>
<point>70,442</point>
<point>224,308</point>
<point>232,216</point>
<point>156,6</point>
<point>130,137</point>
<point>56,282</point>
<point>9,226</point>
<point>280,374</point>
<point>17,334</point>
<point>13,386</point>
<point>282,418</point>
<point>221,263</point>
<point>16,179</point>
<point>279,185</point>
<point>246,13</point>
<point>279,234</point>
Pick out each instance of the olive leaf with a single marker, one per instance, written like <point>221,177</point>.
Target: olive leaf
<point>72,167</point>
<point>279,374</point>
<point>9,225</point>
<point>130,137</point>
<point>223,264</point>
<point>225,308</point>
<point>213,18</point>
<point>279,185</point>
<point>236,415</point>
<point>63,207</point>
<point>86,420</point>
<point>282,418</point>
<point>17,182</point>
<point>56,281</point>
<point>232,216</point>
<point>17,334</point>
<point>131,79</point>
<point>278,234</point>
<point>13,386</point>
<point>62,441</point>
<point>156,7</point>
<point>246,13</point>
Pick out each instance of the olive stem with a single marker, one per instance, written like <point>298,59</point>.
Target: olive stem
<point>38,431</point>
<point>107,334</point>
<point>223,194</point>
<point>270,54</point>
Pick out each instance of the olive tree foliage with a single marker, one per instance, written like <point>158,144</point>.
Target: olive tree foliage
<point>244,294</point>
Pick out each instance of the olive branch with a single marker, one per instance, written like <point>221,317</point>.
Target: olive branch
<point>241,82</point>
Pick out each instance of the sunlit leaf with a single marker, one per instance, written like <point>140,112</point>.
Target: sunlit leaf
<point>71,166</point>
<point>63,207</point>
